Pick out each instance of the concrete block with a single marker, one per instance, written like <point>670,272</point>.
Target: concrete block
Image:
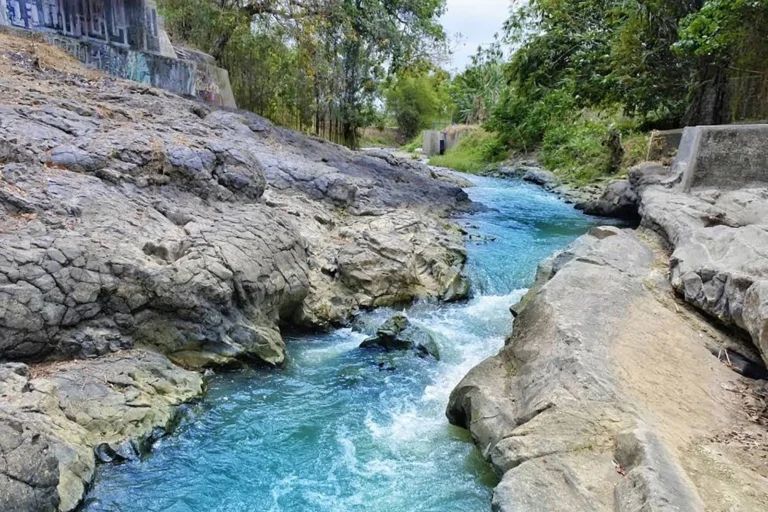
<point>431,142</point>
<point>723,157</point>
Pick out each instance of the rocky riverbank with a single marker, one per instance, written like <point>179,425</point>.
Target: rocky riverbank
<point>140,231</point>
<point>616,199</point>
<point>616,389</point>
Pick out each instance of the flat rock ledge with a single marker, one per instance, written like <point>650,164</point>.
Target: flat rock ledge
<point>607,395</point>
<point>55,419</point>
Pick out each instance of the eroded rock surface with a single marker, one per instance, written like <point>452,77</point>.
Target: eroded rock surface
<point>720,251</point>
<point>603,396</point>
<point>130,216</point>
<point>64,413</point>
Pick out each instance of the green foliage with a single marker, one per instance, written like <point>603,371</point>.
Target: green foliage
<point>478,89</point>
<point>722,27</point>
<point>414,144</point>
<point>315,65</point>
<point>379,138</point>
<point>416,99</point>
<point>578,149</point>
<point>472,153</point>
<point>575,150</point>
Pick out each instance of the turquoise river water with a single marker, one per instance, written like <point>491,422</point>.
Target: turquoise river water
<point>343,429</point>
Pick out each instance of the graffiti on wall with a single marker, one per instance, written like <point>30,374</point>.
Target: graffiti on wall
<point>171,74</point>
<point>104,20</point>
<point>212,85</point>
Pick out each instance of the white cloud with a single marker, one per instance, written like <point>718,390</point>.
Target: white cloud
<point>476,21</point>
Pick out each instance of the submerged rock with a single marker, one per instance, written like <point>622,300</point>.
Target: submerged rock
<point>398,333</point>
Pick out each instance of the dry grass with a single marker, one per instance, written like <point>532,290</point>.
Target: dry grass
<point>46,56</point>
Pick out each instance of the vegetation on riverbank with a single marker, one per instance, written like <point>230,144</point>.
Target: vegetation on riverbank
<point>572,80</point>
<point>582,82</point>
<point>317,66</point>
<point>473,153</point>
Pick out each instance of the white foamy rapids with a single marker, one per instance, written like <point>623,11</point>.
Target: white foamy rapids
<point>413,422</point>
<point>349,340</point>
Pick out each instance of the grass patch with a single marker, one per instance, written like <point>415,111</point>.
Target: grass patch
<point>635,150</point>
<point>473,153</point>
<point>371,137</point>
<point>415,143</point>
<point>578,150</point>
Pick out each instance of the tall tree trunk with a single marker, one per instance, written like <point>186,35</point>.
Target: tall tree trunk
<point>710,103</point>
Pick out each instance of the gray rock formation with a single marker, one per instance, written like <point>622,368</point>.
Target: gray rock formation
<point>398,333</point>
<point>619,200</point>
<point>135,218</point>
<point>720,251</point>
<point>549,408</point>
<point>116,404</point>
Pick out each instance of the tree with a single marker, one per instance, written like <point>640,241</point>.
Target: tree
<point>315,65</point>
<point>477,90</point>
<point>416,98</point>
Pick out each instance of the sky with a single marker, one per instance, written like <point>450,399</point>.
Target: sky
<point>477,21</point>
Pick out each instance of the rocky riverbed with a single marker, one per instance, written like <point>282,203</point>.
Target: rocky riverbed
<point>629,380</point>
<point>141,232</point>
<point>145,238</point>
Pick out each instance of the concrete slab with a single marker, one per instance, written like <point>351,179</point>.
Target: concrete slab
<point>723,157</point>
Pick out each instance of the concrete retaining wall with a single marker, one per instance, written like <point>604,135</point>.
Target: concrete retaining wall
<point>432,138</point>
<point>723,157</point>
<point>129,42</point>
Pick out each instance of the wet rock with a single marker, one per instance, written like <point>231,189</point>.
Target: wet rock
<point>398,333</point>
<point>107,409</point>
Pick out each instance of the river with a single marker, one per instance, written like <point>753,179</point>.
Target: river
<point>344,429</point>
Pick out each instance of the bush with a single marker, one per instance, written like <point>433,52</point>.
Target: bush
<point>415,143</point>
<point>578,150</point>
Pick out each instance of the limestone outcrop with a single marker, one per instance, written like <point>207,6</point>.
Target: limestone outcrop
<point>589,407</point>
<point>139,229</point>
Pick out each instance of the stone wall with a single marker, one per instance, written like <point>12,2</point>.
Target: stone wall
<point>723,157</point>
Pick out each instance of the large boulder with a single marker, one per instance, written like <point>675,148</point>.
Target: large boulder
<point>360,263</point>
<point>550,413</point>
